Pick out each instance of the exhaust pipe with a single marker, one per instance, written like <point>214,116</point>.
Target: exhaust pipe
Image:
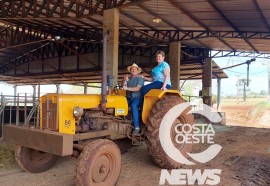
<point>104,72</point>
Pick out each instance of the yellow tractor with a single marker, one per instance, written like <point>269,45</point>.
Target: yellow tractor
<point>86,126</point>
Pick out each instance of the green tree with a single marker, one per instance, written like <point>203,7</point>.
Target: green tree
<point>263,92</point>
<point>214,99</point>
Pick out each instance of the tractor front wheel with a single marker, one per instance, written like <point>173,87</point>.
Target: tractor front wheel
<point>99,164</point>
<point>34,161</point>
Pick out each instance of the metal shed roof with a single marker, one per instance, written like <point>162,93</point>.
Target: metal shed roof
<point>187,72</point>
<point>225,25</point>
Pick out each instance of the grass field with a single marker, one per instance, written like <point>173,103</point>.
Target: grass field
<point>249,101</point>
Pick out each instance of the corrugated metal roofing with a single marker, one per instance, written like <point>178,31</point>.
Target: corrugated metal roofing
<point>229,25</point>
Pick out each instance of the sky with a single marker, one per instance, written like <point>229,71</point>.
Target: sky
<point>258,76</point>
<point>6,89</point>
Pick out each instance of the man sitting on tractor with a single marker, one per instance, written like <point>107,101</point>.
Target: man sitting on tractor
<point>132,84</point>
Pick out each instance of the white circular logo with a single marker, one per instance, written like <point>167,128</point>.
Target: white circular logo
<point>166,141</point>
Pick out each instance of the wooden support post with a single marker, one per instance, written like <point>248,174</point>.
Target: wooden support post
<point>174,53</point>
<point>111,23</point>
<point>207,82</point>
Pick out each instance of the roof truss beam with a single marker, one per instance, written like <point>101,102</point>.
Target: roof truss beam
<point>262,15</point>
<point>181,8</point>
<point>231,24</point>
<point>16,35</point>
<point>58,8</point>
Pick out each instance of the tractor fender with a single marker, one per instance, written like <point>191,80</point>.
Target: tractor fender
<point>151,98</point>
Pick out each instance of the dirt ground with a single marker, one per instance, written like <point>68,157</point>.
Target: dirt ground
<point>244,158</point>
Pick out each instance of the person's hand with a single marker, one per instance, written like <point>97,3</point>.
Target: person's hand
<point>142,76</point>
<point>126,77</point>
<point>163,88</point>
<point>125,87</point>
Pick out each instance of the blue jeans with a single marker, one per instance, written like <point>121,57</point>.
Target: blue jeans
<point>154,85</point>
<point>134,104</point>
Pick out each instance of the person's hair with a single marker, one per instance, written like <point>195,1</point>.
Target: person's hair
<point>161,53</point>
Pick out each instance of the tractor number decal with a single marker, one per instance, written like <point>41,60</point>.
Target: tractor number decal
<point>120,111</point>
<point>67,123</point>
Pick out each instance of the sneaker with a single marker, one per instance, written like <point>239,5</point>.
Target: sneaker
<point>136,132</point>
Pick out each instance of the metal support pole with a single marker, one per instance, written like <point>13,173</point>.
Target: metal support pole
<point>245,94</point>
<point>38,90</point>
<point>57,112</point>
<point>2,113</point>
<point>34,94</point>
<point>85,88</point>
<point>57,105</point>
<point>40,106</point>
<point>218,92</point>
<point>57,88</point>
<point>47,111</point>
<point>268,81</point>
<point>104,72</point>
<point>10,114</point>
<point>25,108</point>
<point>248,63</point>
<point>17,109</point>
<point>15,93</point>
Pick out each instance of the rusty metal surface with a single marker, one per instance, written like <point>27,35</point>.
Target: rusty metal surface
<point>110,134</point>
<point>38,139</point>
<point>95,134</point>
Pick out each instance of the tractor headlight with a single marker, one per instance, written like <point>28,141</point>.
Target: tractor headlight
<point>78,111</point>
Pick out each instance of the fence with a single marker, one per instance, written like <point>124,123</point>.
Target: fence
<point>18,110</point>
<point>196,102</point>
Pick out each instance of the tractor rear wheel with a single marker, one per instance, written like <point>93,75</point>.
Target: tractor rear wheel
<point>34,161</point>
<point>157,113</point>
<point>99,164</point>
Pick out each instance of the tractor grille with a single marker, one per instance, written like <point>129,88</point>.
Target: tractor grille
<point>49,116</point>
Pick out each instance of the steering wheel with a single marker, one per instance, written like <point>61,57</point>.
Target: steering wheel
<point>117,88</point>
